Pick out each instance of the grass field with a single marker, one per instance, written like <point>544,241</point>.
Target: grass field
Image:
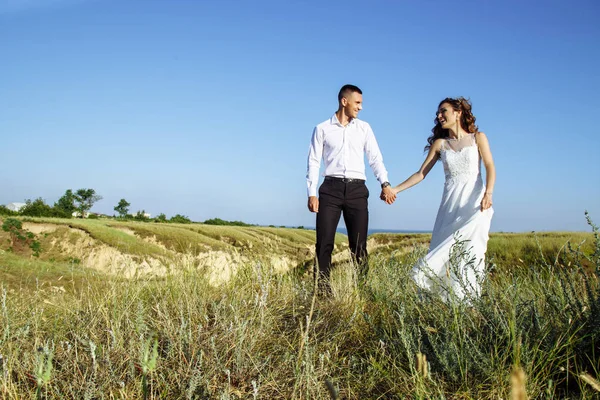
<point>71,330</point>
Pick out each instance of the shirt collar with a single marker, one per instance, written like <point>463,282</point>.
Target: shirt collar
<point>334,120</point>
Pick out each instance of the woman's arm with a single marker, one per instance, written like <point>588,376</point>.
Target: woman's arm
<point>490,169</point>
<point>430,160</point>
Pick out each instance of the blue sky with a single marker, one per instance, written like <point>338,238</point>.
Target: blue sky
<point>205,108</point>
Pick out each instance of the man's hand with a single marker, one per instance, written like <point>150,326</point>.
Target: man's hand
<point>313,204</point>
<point>388,195</point>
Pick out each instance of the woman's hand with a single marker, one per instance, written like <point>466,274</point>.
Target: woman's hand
<point>487,201</point>
<point>388,195</point>
<point>393,191</point>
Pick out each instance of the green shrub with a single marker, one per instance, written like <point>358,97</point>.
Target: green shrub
<point>20,238</point>
<point>219,221</point>
<point>5,211</point>
<point>140,216</point>
<point>180,219</point>
<point>38,208</point>
<point>162,218</point>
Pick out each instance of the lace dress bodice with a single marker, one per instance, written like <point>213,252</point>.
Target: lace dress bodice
<point>461,159</point>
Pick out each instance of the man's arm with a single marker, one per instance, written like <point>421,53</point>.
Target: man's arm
<point>315,153</point>
<point>375,159</point>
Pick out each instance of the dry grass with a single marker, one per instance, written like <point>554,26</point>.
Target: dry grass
<point>517,384</point>
<point>67,331</point>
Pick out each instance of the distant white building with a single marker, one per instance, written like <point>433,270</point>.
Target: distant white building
<point>77,214</point>
<point>15,206</point>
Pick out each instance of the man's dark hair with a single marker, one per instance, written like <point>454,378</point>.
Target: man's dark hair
<point>346,90</point>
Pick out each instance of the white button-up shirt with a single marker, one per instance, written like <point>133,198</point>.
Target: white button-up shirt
<point>342,149</point>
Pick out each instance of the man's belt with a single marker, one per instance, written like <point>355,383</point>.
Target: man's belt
<point>344,180</point>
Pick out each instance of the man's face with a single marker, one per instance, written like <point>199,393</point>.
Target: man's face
<point>352,104</point>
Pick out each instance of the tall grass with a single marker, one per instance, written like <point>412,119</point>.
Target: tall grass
<point>264,335</point>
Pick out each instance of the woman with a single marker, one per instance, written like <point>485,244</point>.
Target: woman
<point>455,262</point>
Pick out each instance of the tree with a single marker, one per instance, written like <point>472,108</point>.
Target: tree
<point>219,221</point>
<point>180,219</point>
<point>161,218</point>
<point>86,199</point>
<point>122,208</point>
<point>66,204</point>
<point>38,208</point>
<point>141,216</point>
<point>6,211</point>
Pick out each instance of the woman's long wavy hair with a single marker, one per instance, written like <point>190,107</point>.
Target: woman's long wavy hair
<point>467,120</point>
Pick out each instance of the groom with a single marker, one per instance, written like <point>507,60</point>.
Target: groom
<point>342,142</point>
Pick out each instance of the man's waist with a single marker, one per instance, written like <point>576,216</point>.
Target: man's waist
<point>344,180</point>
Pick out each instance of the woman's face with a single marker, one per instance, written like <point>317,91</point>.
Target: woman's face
<point>447,116</point>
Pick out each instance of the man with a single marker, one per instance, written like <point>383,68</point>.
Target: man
<point>342,142</point>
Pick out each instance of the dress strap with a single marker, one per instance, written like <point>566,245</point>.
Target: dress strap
<point>444,145</point>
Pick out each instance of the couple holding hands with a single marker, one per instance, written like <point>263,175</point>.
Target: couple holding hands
<point>465,212</point>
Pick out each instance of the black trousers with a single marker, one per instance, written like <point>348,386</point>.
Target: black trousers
<point>337,197</point>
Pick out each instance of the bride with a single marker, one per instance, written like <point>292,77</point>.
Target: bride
<point>455,262</point>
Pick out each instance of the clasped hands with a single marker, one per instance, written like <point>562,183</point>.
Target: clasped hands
<point>388,195</point>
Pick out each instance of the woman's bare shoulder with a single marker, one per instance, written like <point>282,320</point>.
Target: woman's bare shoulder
<point>438,143</point>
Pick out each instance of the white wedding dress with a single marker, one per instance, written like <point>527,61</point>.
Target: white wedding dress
<point>455,263</point>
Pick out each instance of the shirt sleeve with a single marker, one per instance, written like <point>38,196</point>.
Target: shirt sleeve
<point>315,153</point>
<point>374,156</point>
